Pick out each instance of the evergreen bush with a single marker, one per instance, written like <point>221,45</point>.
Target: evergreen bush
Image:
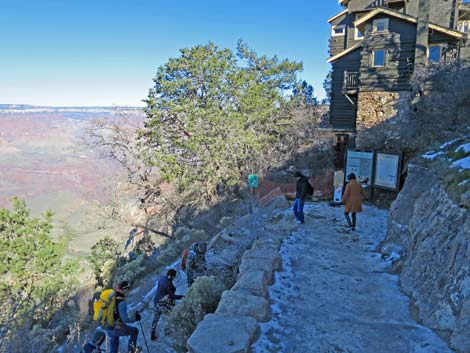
<point>201,299</point>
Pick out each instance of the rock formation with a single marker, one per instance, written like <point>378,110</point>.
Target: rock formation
<point>431,232</point>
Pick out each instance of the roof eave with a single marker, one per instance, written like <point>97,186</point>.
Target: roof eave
<point>344,52</point>
<point>408,18</point>
<point>337,15</point>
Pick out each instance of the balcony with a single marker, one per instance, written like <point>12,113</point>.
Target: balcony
<point>350,83</point>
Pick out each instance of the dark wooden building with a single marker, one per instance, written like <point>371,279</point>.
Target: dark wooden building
<point>376,45</point>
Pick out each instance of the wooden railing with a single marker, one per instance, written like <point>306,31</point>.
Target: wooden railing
<point>351,81</point>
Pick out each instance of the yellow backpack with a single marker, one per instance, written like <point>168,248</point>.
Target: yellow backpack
<point>103,308</point>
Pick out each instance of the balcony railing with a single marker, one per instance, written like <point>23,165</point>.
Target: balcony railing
<point>351,82</point>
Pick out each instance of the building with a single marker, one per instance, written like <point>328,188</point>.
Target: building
<point>375,47</point>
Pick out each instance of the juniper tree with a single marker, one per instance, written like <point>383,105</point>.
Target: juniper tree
<point>213,115</point>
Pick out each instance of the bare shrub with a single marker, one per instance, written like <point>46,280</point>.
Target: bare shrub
<point>304,143</point>
<point>441,107</point>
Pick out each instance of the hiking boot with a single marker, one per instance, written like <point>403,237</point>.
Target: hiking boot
<point>153,336</point>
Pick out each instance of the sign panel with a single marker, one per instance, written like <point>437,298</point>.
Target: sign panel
<point>360,163</point>
<point>253,181</point>
<point>387,171</point>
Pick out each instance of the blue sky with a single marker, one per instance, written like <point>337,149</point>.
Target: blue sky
<point>106,52</point>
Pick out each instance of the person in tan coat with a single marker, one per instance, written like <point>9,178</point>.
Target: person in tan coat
<point>352,199</point>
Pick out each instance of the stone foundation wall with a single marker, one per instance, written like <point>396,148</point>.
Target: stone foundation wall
<point>234,327</point>
<point>384,111</point>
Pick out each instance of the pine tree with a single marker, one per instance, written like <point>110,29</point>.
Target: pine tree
<point>33,266</point>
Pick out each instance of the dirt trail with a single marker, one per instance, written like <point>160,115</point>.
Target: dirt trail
<point>334,295</point>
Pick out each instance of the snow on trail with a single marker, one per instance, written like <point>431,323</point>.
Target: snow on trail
<point>333,294</point>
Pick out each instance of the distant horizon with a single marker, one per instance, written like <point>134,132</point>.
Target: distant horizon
<point>68,106</point>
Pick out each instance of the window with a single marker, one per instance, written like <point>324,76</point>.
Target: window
<point>464,26</point>
<point>357,33</point>
<point>378,57</point>
<point>338,30</point>
<point>434,53</point>
<point>380,25</point>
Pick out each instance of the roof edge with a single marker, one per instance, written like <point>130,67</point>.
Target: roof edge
<point>338,15</point>
<point>344,52</point>
<point>408,18</point>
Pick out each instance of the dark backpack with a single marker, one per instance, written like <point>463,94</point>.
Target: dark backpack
<point>309,189</point>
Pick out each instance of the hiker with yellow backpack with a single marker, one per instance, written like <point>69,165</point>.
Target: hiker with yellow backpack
<point>110,311</point>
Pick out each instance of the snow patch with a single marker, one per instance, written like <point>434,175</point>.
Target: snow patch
<point>465,147</point>
<point>464,182</point>
<point>399,226</point>
<point>393,257</point>
<point>448,143</point>
<point>463,163</point>
<point>432,155</point>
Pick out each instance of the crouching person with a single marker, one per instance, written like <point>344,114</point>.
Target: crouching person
<point>196,262</point>
<point>164,299</point>
<point>121,327</point>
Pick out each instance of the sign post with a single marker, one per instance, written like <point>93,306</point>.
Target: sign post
<point>253,182</point>
<point>338,183</point>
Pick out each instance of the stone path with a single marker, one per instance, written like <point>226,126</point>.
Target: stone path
<point>334,295</point>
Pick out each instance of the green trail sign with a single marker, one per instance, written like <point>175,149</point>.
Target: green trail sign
<point>253,181</point>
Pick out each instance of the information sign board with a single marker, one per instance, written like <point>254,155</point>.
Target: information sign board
<point>387,171</point>
<point>361,164</point>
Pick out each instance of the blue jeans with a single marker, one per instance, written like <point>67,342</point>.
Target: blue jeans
<point>124,330</point>
<point>299,210</point>
<point>94,344</point>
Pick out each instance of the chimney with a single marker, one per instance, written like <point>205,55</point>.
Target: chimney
<point>422,32</point>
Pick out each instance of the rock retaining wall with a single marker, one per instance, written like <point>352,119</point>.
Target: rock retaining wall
<point>234,326</point>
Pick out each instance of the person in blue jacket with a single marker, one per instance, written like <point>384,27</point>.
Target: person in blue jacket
<point>164,299</point>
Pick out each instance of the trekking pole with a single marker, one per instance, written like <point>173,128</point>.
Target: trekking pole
<point>145,339</point>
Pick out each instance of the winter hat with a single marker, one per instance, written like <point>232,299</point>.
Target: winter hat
<point>122,286</point>
<point>171,273</point>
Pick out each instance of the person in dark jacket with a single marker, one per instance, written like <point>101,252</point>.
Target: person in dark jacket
<point>164,299</point>
<point>121,327</point>
<point>301,191</point>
